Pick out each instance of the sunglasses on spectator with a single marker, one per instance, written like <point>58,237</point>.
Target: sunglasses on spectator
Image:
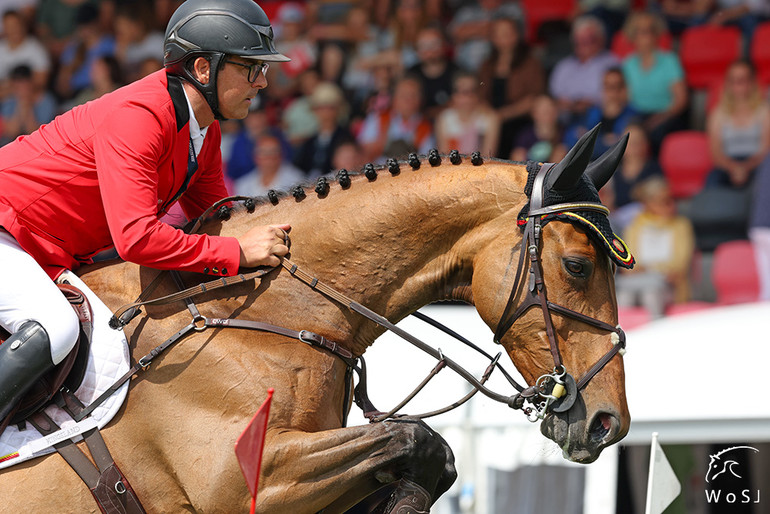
<point>254,69</point>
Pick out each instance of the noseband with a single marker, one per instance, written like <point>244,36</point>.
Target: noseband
<point>550,389</point>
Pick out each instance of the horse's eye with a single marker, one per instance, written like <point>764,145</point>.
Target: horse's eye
<point>575,268</point>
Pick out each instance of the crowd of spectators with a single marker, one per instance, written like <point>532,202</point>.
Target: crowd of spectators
<point>374,79</point>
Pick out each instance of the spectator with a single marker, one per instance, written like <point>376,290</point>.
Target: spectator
<point>106,76</point>
<point>759,231</point>
<point>293,43</point>
<point>298,120</point>
<point>314,157</point>
<point>163,10</point>
<point>18,47</point>
<point>745,14</point>
<point>542,139</point>
<point>255,126</point>
<point>330,22</point>
<point>468,124</point>
<point>332,62</point>
<point>381,97</point>
<point>88,44</point>
<point>135,41</point>
<point>614,114</point>
<point>57,22</point>
<point>434,70</point>
<point>612,13</point>
<point>347,156</point>
<point>470,28</point>
<point>511,79</point>
<point>655,79</point>
<point>682,14</point>
<point>272,170</point>
<point>663,244</point>
<point>149,65</point>
<point>365,57</point>
<point>402,122</point>
<point>637,166</point>
<point>738,129</point>
<point>409,19</point>
<point>26,8</point>
<point>27,106</point>
<point>576,81</point>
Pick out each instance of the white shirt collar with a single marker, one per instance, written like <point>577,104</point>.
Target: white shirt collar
<point>196,132</point>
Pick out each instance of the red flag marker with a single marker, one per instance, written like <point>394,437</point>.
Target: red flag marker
<point>248,447</point>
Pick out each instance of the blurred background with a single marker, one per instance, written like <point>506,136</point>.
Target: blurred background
<point>368,80</point>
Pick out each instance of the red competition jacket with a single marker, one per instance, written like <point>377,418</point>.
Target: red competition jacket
<point>99,175</point>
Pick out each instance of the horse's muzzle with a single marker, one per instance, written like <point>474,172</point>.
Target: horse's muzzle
<point>580,437</point>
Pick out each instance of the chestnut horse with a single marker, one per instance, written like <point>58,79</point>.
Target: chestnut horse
<point>393,243</point>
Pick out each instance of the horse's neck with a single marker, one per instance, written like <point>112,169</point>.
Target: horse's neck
<point>399,242</point>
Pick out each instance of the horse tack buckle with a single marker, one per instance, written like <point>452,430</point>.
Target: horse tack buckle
<point>538,411</point>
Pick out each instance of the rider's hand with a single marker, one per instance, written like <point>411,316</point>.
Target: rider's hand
<point>262,246</point>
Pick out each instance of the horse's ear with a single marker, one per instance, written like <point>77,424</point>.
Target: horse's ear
<point>565,175</point>
<point>602,168</point>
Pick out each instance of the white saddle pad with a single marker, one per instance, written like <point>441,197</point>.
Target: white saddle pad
<point>108,360</point>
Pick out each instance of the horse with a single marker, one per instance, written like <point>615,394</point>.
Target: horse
<point>395,239</point>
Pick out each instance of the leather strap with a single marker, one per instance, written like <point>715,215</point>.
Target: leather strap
<point>109,487</point>
<point>119,317</point>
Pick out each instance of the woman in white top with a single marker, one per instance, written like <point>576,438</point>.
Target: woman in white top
<point>468,124</point>
<point>738,128</point>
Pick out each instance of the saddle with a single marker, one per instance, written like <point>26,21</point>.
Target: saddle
<point>68,374</point>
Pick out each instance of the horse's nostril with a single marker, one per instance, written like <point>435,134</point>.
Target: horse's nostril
<point>601,426</point>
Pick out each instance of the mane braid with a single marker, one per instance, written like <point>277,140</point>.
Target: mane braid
<point>309,186</point>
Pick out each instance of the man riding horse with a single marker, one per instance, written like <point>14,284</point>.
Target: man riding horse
<point>103,174</point>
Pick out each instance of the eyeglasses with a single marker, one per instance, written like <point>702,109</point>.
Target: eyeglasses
<point>254,69</point>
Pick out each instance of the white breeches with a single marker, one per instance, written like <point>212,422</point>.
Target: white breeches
<point>28,293</point>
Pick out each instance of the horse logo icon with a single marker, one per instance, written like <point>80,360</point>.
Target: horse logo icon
<point>719,465</point>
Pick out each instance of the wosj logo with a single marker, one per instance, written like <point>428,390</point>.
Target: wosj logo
<point>724,468</point>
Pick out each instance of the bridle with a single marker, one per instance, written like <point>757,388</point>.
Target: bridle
<point>559,380</point>
<point>557,390</point>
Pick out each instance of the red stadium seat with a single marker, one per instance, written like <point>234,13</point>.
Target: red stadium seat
<point>760,52</point>
<point>713,95</point>
<point>735,274</point>
<point>686,160</point>
<point>538,11</point>
<point>622,47</point>
<point>707,51</point>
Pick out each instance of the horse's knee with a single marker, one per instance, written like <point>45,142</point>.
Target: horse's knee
<point>427,459</point>
<point>448,476</point>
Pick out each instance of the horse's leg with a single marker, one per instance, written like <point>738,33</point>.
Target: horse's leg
<point>335,469</point>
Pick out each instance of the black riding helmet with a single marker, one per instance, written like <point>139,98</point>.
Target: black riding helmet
<point>213,29</point>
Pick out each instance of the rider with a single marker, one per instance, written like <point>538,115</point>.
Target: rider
<point>102,174</point>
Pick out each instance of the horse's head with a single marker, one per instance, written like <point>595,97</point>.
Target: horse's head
<point>573,253</point>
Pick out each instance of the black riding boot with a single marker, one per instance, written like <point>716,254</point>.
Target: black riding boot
<point>24,357</point>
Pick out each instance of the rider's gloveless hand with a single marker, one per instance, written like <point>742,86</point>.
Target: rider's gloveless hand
<point>263,246</point>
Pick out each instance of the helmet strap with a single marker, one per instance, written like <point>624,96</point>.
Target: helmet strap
<point>209,90</point>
